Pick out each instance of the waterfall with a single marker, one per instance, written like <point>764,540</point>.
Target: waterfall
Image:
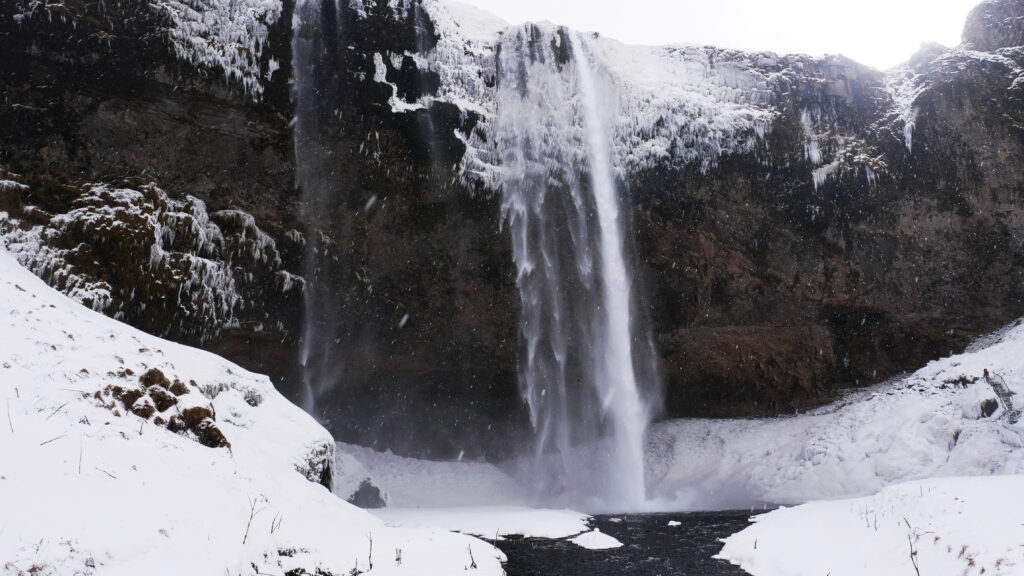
<point>317,60</point>
<point>581,343</point>
<point>425,118</point>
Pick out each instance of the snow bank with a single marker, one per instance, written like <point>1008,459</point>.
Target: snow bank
<point>468,497</point>
<point>92,480</point>
<point>930,424</point>
<point>961,526</point>
<point>414,483</point>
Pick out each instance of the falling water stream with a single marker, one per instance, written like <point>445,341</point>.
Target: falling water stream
<point>577,369</point>
<point>587,364</point>
<point>316,63</point>
<point>615,380</point>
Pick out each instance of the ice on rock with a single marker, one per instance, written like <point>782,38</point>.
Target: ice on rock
<point>225,34</point>
<point>812,148</point>
<point>681,104</point>
<point>904,86</point>
<point>183,243</point>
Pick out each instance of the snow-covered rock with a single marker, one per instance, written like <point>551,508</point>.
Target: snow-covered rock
<point>935,422</point>
<point>161,256</point>
<point>596,540</point>
<point>94,481</point>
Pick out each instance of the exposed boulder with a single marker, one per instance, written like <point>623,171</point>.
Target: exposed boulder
<point>367,496</point>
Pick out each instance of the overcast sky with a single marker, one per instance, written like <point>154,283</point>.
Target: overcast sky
<point>879,33</point>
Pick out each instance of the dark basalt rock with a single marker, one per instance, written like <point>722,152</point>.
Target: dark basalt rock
<point>367,496</point>
<point>989,407</point>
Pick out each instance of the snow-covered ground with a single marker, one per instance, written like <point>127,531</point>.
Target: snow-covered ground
<point>937,527</point>
<point>925,425</point>
<point>93,481</point>
<point>414,483</point>
<point>468,497</point>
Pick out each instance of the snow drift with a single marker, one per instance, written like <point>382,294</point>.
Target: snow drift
<point>121,453</point>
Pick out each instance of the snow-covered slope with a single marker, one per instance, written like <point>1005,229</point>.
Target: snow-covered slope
<point>938,527</point>
<point>94,481</point>
<point>932,423</point>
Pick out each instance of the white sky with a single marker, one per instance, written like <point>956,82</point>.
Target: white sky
<point>879,33</point>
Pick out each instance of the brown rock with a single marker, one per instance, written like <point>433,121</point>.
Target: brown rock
<point>154,377</point>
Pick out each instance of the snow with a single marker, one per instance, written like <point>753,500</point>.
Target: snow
<point>492,522</point>
<point>596,540</point>
<point>942,526</point>
<point>380,72</point>
<point>225,34</point>
<point>89,488</point>
<point>923,426</point>
<point>904,87</point>
<point>415,483</point>
<point>469,497</point>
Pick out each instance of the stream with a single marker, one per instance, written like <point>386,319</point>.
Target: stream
<point>650,547</point>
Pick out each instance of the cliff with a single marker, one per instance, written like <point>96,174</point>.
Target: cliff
<point>800,224</point>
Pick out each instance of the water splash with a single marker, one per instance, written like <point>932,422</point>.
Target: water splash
<point>580,339</point>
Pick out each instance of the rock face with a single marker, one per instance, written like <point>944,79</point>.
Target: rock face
<point>995,24</point>
<point>867,223</point>
<point>95,95</point>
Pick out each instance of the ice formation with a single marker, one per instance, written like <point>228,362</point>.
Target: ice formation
<point>229,35</point>
<point>676,104</point>
<point>178,244</point>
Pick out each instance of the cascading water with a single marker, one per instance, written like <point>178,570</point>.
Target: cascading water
<point>580,342</point>
<point>316,61</point>
<point>425,118</point>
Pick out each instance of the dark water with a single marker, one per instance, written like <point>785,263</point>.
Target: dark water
<point>650,548</point>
